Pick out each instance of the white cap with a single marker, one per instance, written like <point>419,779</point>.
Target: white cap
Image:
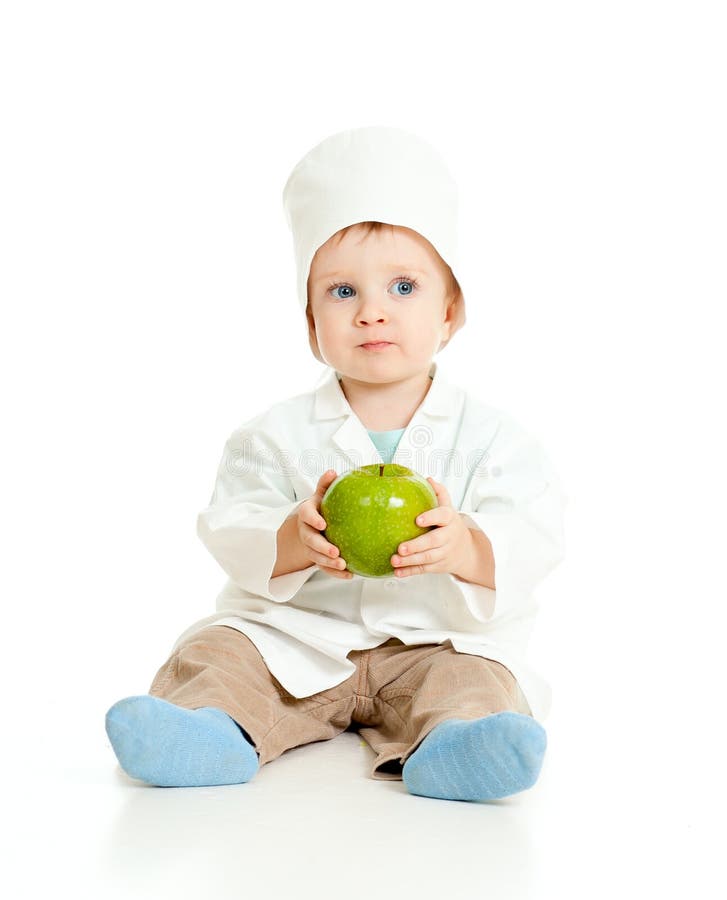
<point>374,173</point>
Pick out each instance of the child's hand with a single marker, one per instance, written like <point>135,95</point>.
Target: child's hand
<point>310,524</point>
<point>442,549</point>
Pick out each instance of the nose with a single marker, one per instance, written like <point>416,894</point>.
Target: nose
<point>371,310</point>
<point>369,319</point>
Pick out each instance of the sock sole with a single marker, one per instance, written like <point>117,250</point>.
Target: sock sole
<point>171,746</point>
<point>479,759</point>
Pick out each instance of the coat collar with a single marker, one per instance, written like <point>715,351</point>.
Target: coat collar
<point>331,403</point>
<point>442,401</point>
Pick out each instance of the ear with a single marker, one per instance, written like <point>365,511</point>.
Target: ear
<point>309,317</point>
<point>312,337</point>
<point>450,316</point>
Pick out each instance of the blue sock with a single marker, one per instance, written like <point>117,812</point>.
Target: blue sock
<point>168,745</point>
<point>477,759</point>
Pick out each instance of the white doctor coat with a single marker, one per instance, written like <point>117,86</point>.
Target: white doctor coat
<point>305,623</point>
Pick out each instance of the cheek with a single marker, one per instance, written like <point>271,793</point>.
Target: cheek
<point>328,333</point>
<point>323,327</point>
<point>426,334</point>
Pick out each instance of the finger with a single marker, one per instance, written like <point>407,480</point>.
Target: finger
<point>314,520</point>
<point>309,512</point>
<point>345,574</point>
<point>326,479</point>
<point>408,549</point>
<point>441,491</point>
<point>440,515</point>
<point>319,544</point>
<point>429,541</point>
<point>411,570</point>
<point>323,559</point>
<point>335,567</point>
<point>308,533</point>
<point>425,558</point>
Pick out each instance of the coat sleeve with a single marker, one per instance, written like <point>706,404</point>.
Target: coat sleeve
<point>252,498</point>
<point>517,499</point>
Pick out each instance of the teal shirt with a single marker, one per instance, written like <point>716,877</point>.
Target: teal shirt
<point>386,442</point>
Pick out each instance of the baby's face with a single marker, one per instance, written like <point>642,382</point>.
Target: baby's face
<point>389,286</point>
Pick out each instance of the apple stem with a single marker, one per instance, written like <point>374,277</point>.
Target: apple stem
<point>381,470</point>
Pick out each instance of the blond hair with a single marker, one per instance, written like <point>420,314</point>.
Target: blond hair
<point>455,300</point>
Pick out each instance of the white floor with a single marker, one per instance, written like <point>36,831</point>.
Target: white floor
<point>631,800</point>
<point>314,819</point>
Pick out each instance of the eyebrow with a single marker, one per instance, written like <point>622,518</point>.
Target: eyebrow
<point>400,268</point>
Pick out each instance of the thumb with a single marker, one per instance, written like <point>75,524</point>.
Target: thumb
<point>326,479</point>
<point>441,491</point>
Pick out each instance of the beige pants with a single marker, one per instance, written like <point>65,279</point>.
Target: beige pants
<point>394,698</point>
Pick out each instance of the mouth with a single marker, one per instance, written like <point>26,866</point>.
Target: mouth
<point>376,345</point>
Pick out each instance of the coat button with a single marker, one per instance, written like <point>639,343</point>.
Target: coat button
<point>391,583</point>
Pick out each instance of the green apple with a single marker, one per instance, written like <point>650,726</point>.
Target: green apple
<point>369,511</point>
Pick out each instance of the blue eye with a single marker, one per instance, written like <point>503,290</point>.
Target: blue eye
<point>409,283</point>
<point>335,287</point>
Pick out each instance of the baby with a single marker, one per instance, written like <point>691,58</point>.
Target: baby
<point>428,665</point>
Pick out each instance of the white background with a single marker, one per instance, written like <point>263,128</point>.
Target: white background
<point>149,308</point>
